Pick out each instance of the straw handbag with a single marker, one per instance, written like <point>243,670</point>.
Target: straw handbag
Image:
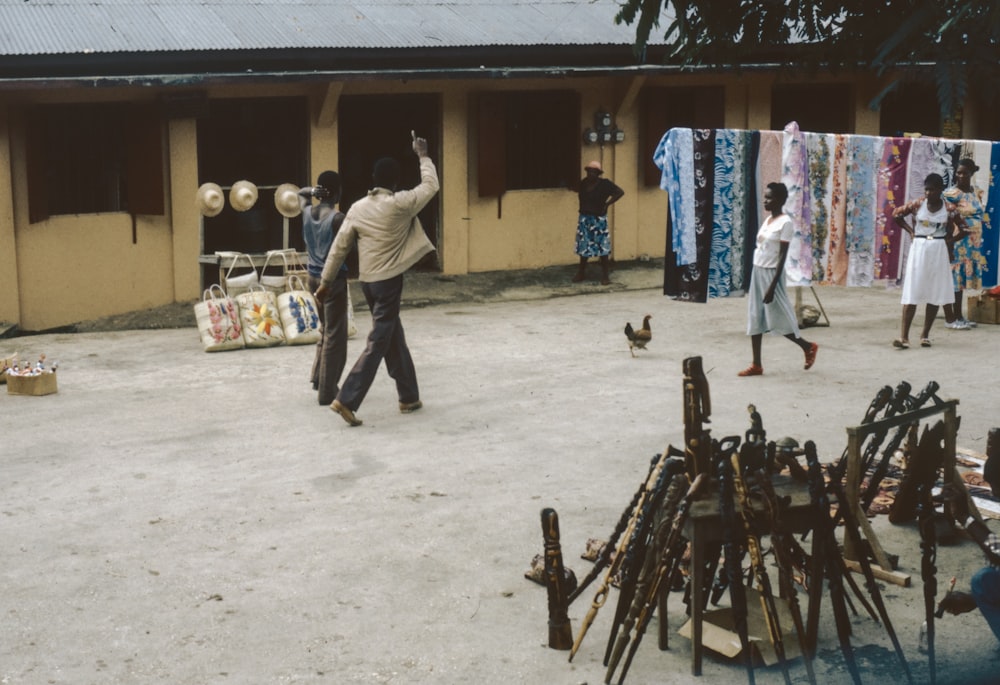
<point>291,265</point>
<point>259,317</point>
<point>237,285</point>
<point>218,321</point>
<point>299,315</point>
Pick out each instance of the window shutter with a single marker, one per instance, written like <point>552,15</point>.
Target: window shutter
<point>144,161</point>
<point>574,163</point>
<point>492,146</point>
<point>654,126</point>
<point>38,204</point>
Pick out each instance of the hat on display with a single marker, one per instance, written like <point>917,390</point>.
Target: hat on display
<point>286,200</point>
<point>596,166</point>
<point>243,195</point>
<point>209,199</point>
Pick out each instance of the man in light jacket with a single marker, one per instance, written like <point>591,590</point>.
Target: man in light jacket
<point>390,240</point>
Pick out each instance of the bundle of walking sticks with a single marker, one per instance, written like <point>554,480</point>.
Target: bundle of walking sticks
<point>647,553</point>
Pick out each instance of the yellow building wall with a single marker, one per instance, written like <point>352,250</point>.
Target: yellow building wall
<point>185,221</point>
<point>76,267</point>
<point>10,309</point>
<point>72,268</point>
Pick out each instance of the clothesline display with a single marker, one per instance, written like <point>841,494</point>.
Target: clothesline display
<point>842,191</point>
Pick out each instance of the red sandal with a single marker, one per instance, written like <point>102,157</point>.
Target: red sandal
<point>811,356</point>
<point>752,370</point>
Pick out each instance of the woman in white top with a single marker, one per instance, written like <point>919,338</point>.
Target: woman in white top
<point>768,308</point>
<point>928,278</point>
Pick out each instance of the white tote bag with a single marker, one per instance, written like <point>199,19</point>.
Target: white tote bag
<point>275,283</point>
<point>259,318</point>
<point>299,314</point>
<point>218,321</point>
<point>237,285</point>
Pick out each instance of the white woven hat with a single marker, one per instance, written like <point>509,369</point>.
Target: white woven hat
<point>243,195</point>
<point>209,199</point>
<point>286,200</point>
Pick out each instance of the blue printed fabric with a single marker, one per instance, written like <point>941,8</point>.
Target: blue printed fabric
<point>728,178</point>
<point>864,154</point>
<point>990,228</point>
<point>674,156</point>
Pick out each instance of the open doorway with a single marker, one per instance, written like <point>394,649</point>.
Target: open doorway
<point>261,140</point>
<point>375,126</point>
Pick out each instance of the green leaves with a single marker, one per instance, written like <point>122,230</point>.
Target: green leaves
<point>956,43</point>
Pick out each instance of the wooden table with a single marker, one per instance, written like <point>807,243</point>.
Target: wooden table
<point>704,527</point>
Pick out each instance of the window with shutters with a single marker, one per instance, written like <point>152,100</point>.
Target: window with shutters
<point>528,140</point>
<point>89,159</point>
<point>677,107</point>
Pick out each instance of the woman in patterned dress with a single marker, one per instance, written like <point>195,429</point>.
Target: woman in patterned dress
<point>967,260</point>
<point>592,237</point>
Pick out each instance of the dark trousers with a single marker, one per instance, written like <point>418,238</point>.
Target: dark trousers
<point>331,350</point>
<point>385,341</point>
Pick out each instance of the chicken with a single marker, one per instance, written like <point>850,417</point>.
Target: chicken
<point>638,338</point>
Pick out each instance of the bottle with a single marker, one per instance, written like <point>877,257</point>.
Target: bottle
<point>922,640</point>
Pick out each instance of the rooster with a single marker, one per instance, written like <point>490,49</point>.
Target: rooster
<point>638,338</point>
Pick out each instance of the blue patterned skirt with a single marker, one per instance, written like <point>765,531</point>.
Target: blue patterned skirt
<point>592,238</point>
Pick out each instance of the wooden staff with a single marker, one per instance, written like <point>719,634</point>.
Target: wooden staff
<point>852,534</point>
<point>825,558</point>
<point>635,554</point>
<point>759,570</point>
<point>783,543</point>
<point>601,596</point>
<point>604,557</point>
<point>734,559</point>
<point>697,412</point>
<point>673,549</point>
<point>928,570</point>
<point>560,630</point>
<point>649,577</point>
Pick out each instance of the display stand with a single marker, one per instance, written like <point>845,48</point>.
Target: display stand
<point>223,260</point>
<point>856,435</point>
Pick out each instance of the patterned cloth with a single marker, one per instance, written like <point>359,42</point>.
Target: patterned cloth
<point>674,156</point>
<point>795,176</point>
<point>864,153</point>
<point>843,190</point>
<point>592,236</point>
<point>891,195</point>
<point>991,230</point>
<point>819,149</point>
<point>723,201</point>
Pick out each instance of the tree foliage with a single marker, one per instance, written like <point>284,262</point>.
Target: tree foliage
<point>957,43</point>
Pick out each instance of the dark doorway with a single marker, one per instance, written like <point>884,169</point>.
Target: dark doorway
<point>375,126</point>
<point>910,108</point>
<point>819,108</point>
<point>261,140</point>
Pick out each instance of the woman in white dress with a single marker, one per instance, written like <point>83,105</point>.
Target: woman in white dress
<point>928,279</point>
<point>768,308</point>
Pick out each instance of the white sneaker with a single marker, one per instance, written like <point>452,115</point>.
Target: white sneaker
<point>970,324</point>
<point>958,325</point>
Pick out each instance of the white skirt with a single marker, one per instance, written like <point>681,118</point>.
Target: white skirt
<point>928,274</point>
<point>777,318</point>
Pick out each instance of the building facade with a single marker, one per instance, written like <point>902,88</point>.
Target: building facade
<point>102,149</point>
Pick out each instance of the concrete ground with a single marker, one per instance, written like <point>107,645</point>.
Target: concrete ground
<point>177,517</point>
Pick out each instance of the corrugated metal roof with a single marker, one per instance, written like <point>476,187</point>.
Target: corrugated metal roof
<point>67,27</point>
